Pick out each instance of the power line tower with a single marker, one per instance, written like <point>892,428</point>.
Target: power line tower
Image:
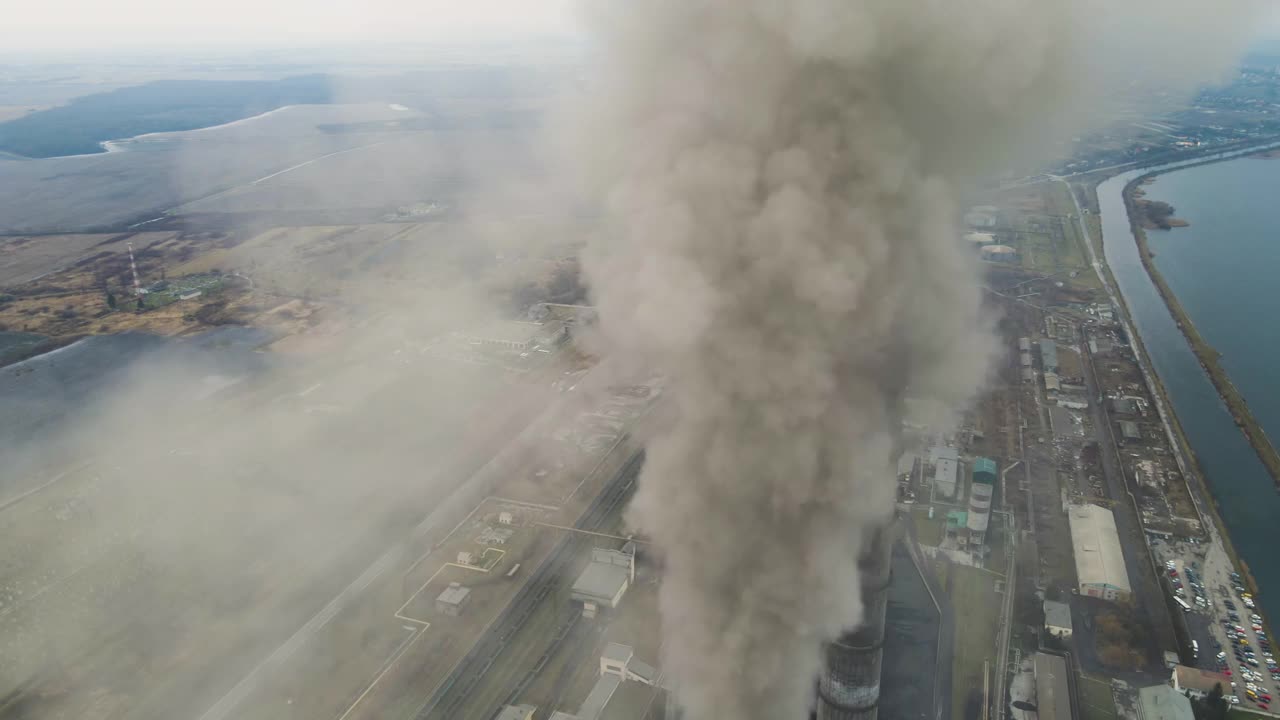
<point>137,285</point>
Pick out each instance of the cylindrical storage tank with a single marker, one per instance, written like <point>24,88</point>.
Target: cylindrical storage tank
<point>849,687</point>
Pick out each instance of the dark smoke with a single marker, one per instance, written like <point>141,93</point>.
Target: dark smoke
<point>782,183</point>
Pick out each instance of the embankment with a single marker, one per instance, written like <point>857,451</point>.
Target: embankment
<point>1208,357</point>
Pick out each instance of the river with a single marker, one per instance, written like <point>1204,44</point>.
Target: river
<point>1245,492</point>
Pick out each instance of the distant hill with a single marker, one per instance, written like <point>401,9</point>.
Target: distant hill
<point>80,126</point>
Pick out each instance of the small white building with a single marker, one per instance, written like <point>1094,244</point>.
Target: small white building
<point>453,600</point>
<point>1057,619</point>
<point>505,518</point>
<point>465,557</point>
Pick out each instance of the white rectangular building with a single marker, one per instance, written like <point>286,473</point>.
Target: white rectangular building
<point>1100,567</point>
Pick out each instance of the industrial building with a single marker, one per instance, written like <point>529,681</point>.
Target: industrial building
<point>1053,693</point>
<point>980,492</point>
<point>453,600</point>
<point>1100,566</point>
<point>1161,702</point>
<point>1057,619</point>
<point>1051,382</point>
<point>1049,355</point>
<point>946,464</point>
<point>849,686</point>
<point>618,664</point>
<point>1024,344</point>
<point>604,581</point>
<point>1130,431</point>
<point>979,239</point>
<point>1196,682</point>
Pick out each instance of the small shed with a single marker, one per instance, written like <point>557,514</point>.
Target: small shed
<point>453,600</point>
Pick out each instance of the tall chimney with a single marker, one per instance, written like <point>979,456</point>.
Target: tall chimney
<point>849,687</point>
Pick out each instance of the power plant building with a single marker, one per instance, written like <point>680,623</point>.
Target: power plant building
<point>1053,694</point>
<point>1049,355</point>
<point>945,468</point>
<point>605,579</point>
<point>1100,566</point>
<point>980,492</point>
<point>849,687</point>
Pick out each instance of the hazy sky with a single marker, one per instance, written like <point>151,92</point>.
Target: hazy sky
<point>99,24</point>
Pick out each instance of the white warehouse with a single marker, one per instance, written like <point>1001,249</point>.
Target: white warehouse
<point>1099,559</point>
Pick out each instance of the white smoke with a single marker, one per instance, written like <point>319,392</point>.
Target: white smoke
<point>781,181</point>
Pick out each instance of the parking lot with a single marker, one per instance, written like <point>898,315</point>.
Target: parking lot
<point>1229,632</point>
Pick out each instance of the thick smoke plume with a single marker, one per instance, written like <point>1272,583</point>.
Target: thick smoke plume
<point>782,182</point>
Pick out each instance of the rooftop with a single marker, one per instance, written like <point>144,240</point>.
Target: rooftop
<point>1161,702</point>
<point>1049,353</point>
<point>1099,559</point>
<point>1190,678</point>
<point>1129,429</point>
<point>617,652</point>
<point>1053,698</point>
<point>598,698</point>
<point>602,581</point>
<point>455,594</point>
<point>1057,614</point>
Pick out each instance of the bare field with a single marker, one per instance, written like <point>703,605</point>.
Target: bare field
<point>24,258</point>
<point>301,261</point>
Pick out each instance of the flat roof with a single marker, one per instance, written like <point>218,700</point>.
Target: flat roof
<point>1202,680</point>
<point>1057,614</point>
<point>946,471</point>
<point>617,652</point>
<point>1129,429</point>
<point>601,580</point>
<point>454,595</point>
<point>1049,353</point>
<point>1099,559</point>
<point>1053,698</point>
<point>599,696</point>
<point>1161,702</point>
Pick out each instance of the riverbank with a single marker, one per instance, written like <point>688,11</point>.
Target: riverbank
<point>1208,357</point>
<point>1213,524</point>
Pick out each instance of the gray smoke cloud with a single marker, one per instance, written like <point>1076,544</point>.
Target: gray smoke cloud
<point>782,183</point>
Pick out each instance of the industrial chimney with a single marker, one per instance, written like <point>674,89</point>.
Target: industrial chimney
<point>849,687</point>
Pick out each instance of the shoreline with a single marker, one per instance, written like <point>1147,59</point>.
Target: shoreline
<point>1213,526</point>
<point>1205,353</point>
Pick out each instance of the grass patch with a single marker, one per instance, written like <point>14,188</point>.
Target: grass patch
<point>928,532</point>
<point>1096,699</point>
<point>974,598</point>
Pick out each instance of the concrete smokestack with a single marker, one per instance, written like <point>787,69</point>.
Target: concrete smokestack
<point>849,687</point>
